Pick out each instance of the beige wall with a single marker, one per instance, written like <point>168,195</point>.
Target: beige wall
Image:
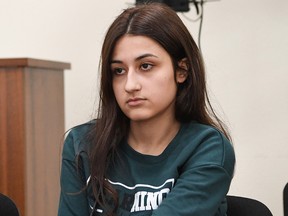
<point>245,46</point>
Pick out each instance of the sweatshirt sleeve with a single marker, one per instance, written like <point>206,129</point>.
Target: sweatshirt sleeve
<point>204,180</point>
<point>73,196</point>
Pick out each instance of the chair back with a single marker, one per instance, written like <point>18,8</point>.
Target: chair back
<point>7,206</point>
<point>285,200</point>
<point>243,206</point>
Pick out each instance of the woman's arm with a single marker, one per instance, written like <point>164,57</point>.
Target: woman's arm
<point>204,181</point>
<point>73,197</point>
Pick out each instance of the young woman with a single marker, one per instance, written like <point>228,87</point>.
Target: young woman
<point>157,147</point>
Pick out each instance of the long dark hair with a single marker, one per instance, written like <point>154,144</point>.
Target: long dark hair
<point>162,24</point>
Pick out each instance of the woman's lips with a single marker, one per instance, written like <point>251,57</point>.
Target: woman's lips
<point>135,101</point>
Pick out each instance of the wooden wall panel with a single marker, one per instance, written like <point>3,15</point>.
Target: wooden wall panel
<point>31,133</point>
<point>44,129</point>
<point>12,142</point>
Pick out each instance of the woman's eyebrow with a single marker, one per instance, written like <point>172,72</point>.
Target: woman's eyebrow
<point>145,55</point>
<point>115,61</point>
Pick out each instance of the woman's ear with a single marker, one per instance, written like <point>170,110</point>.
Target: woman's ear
<point>182,71</point>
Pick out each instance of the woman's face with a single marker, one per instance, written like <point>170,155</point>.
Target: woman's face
<point>143,78</point>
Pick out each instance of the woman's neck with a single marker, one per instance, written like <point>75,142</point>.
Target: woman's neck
<point>152,137</point>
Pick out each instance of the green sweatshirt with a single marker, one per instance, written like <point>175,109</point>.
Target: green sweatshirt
<point>191,177</point>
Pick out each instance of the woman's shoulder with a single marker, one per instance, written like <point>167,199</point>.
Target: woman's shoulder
<point>81,130</point>
<point>209,145</point>
<point>201,132</point>
<point>77,139</point>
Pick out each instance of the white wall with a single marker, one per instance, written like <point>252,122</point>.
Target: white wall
<point>244,43</point>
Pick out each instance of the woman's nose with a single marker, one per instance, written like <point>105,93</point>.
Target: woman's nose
<point>132,82</point>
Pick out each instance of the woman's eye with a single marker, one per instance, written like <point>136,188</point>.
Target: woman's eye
<point>146,66</point>
<point>118,70</point>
